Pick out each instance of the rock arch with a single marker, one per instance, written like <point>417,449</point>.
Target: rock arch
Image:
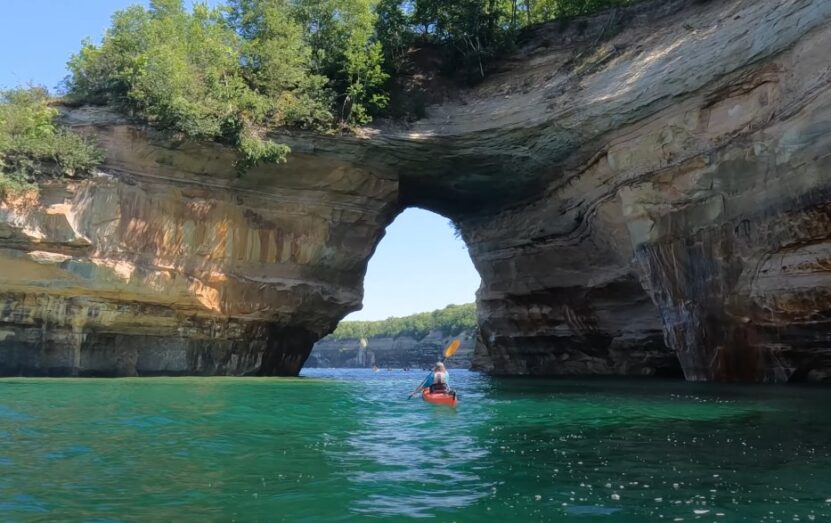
<point>633,199</point>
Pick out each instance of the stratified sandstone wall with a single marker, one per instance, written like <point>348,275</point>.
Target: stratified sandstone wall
<point>646,192</point>
<point>701,179</point>
<point>168,263</point>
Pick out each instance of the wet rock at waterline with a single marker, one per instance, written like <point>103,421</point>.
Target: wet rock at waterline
<point>645,192</point>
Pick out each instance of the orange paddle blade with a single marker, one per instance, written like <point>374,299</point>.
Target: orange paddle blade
<point>453,347</point>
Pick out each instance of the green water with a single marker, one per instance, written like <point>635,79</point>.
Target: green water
<point>344,445</point>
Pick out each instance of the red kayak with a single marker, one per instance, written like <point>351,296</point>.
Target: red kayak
<point>439,398</point>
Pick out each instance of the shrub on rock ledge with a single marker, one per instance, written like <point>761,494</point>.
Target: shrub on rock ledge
<point>33,147</point>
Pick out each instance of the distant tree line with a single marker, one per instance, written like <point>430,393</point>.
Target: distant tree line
<point>451,320</point>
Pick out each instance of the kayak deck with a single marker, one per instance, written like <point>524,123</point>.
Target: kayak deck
<point>439,398</point>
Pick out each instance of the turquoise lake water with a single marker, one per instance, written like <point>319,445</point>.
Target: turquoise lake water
<point>346,445</point>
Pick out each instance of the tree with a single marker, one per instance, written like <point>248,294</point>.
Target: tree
<point>277,62</point>
<point>392,29</point>
<point>341,34</point>
<point>193,73</point>
<point>33,147</point>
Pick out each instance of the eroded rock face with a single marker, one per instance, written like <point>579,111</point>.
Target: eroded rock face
<point>168,263</point>
<point>707,180</point>
<point>647,192</point>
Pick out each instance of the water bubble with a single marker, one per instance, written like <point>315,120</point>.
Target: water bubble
<point>615,497</point>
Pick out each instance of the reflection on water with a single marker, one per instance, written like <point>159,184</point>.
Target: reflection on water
<point>343,445</point>
<point>405,451</point>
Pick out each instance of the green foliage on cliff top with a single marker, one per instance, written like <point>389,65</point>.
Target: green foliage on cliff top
<point>451,320</point>
<point>235,72</point>
<point>32,146</point>
<point>469,32</point>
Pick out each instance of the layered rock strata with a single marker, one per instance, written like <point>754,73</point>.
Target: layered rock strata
<point>701,170</point>
<point>167,262</point>
<point>645,192</point>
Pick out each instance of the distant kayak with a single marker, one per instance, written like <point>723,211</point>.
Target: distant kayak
<point>439,398</point>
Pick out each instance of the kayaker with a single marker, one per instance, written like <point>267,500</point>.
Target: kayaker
<point>435,387</point>
<point>438,380</point>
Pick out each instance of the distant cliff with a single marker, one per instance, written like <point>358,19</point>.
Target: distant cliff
<point>405,351</point>
<point>414,341</point>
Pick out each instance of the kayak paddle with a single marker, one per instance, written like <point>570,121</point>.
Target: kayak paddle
<point>452,348</point>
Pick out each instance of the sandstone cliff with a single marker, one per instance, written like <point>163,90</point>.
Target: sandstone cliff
<point>644,192</point>
<point>169,263</point>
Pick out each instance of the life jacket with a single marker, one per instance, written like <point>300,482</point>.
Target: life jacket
<point>439,382</point>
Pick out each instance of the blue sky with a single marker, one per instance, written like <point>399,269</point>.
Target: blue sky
<point>419,265</point>
<point>37,37</point>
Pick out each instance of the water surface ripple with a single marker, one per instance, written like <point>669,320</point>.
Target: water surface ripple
<point>346,445</point>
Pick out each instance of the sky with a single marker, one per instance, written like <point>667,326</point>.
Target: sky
<point>37,37</point>
<point>418,266</point>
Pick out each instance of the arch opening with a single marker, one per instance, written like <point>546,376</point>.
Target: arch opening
<point>419,292</point>
<point>420,265</point>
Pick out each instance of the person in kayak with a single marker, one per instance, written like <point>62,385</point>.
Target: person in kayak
<point>436,384</point>
<point>438,380</point>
